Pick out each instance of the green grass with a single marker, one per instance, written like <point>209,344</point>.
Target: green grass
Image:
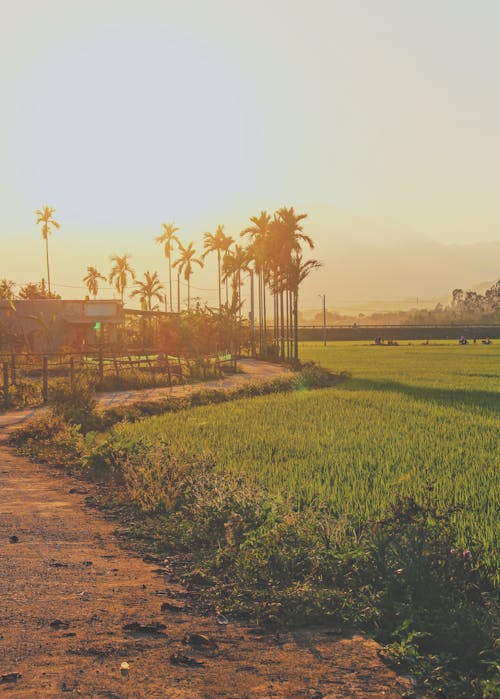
<point>408,416</point>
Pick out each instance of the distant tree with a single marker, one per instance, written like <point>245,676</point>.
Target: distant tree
<point>6,289</point>
<point>44,216</point>
<point>185,264</point>
<point>166,239</point>
<point>120,273</point>
<point>148,290</point>
<point>457,298</point>
<point>34,290</point>
<point>92,280</point>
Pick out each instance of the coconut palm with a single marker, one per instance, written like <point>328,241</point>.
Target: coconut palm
<point>235,262</point>
<point>285,240</point>
<point>166,239</point>
<point>217,242</point>
<point>185,264</point>
<point>294,274</point>
<point>120,273</point>
<point>91,280</point>
<point>44,216</point>
<point>259,233</point>
<point>227,243</point>
<point>148,290</point>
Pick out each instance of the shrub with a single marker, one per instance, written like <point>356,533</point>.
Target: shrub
<point>49,439</point>
<point>75,402</point>
<point>25,393</point>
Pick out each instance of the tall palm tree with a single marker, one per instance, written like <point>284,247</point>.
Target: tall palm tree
<point>227,243</point>
<point>120,273</point>
<point>44,216</point>
<point>235,262</point>
<point>259,233</point>
<point>286,238</point>
<point>185,264</point>
<point>91,280</point>
<point>217,242</point>
<point>149,289</point>
<point>295,273</point>
<point>166,239</point>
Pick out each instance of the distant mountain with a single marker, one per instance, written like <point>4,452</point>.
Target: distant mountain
<point>356,272</point>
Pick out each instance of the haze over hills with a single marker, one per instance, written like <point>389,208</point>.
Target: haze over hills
<point>367,266</point>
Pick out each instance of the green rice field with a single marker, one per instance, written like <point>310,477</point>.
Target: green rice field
<point>407,417</point>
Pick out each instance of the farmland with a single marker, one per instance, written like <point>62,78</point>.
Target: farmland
<point>409,417</point>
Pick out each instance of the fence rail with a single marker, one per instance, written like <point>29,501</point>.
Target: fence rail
<point>35,373</point>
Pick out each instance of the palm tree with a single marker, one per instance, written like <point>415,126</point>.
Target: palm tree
<point>166,239</point>
<point>257,250</point>
<point>149,289</point>
<point>185,265</point>
<point>295,273</point>
<point>120,273</point>
<point>44,216</point>
<point>234,263</point>
<point>91,280</point>
<point>226,247</point>
<point>286,237</point>
<point>217,242</point>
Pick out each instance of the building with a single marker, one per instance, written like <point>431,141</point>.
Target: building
<point>49,325</point>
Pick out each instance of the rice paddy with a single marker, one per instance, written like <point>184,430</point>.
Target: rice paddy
<point>409,417</point>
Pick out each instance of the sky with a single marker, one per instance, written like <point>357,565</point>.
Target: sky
<point>378,119</point>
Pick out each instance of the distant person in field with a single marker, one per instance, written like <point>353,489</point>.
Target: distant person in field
<point>463,340</point>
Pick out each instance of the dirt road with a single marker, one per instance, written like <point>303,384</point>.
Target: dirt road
<point>69,588</point>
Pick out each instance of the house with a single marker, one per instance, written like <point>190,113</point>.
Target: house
<point>49,325</point>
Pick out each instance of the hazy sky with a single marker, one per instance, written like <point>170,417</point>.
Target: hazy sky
<point>125,113</point>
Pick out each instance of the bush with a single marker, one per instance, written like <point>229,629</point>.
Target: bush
<point>49,439</point>
<point>75,402</point>
<point>25,393</point>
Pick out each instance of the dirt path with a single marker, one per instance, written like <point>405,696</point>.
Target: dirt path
<point>252,370</point>
<point>68,588</point>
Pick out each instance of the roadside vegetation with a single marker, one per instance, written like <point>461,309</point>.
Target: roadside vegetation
<point>368,504</point>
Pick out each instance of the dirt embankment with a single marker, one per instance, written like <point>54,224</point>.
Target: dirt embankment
<point>69,590</point>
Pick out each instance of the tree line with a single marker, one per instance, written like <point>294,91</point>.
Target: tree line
<point>272,258</point>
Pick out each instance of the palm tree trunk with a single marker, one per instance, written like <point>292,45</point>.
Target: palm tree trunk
<point>252,313</point>
<point>218,271</point>
<point>282,327</point>
<point>264,313</point>
<point>170,279</point>
<point>296,326</point>
<point>47,259</point>
<point>287,301</point>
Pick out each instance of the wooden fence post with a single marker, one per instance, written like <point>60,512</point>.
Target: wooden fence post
<point>101,367</point>
<point>72,372</point>
<point>13,373</point>
<point>6,384</point>
<point>45,380</point>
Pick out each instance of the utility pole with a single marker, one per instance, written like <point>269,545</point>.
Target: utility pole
<point>324,320</point>
<point>323,297</point>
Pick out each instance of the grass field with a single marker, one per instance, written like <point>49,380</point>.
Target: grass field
<point>407,417</point>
